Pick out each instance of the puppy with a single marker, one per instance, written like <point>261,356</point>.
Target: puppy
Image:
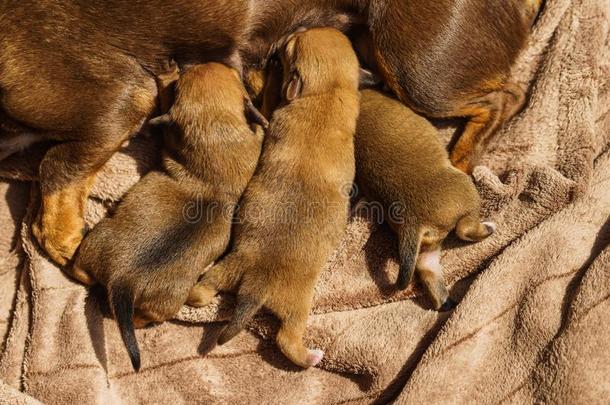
<point>402,164</point>
<point>294,210</point>
<point>171,226</point>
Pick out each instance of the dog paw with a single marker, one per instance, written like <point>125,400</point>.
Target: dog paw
<point>448,305</point>
<point>490,226</point>
<point>60,244</point>
<point>314,357</point>
<point>200,296</point>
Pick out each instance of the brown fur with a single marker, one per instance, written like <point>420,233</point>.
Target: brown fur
<point>443,58</point>
<point>455,62</point>
<point>83,73</point>
<point>402,164</point>
<point>294,210</point>
<point>171,226</point>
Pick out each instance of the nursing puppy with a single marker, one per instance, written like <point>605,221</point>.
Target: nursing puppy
<point>401,163</point>
<point>171,226</point>
<point>294,210</point>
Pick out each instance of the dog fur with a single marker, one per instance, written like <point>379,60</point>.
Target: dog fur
<point>402,164</point>
<point>294,210</point>
<point>83,73</point>
<point>173,224</point>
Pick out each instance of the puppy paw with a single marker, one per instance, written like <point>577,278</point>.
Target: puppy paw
<point>314,357</point>
<point>490,226</point>
<point>200,296</point>
<point>448,305</point>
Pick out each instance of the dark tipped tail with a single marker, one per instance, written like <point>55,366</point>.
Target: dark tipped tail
<point>408,246</point>
<point>121,300</point>
<point>247,307</point>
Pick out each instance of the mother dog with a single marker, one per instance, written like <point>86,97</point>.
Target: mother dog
<point>82,73</point>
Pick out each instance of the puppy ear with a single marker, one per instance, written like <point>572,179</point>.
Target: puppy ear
<point>290,48</point>
<point>164,119</point>
<point>294,86</point>
<point>253,114</point>
<point>368,79</point>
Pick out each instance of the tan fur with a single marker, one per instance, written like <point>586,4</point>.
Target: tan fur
<point>172,225</point>
<point>402,164</point>
<point>82,73</point>
<point>294,210</point>
<point>60,218</point>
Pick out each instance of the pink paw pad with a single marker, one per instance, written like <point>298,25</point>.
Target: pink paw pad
<point>491,227</point>
<point>314,357</point>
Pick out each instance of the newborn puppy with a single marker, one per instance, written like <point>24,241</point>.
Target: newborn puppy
<point>401,163</point>
<point>171,225</point>
<point>294,210</point>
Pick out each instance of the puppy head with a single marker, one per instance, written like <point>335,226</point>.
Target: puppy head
<point>316,61</point>
<point>209,90</point>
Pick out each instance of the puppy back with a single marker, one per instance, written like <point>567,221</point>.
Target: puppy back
<point>408,142</point>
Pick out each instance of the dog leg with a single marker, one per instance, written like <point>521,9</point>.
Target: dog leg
<point>68,169</point>
<point>60,224</point>
<point>142,318</point>
<point>471,229</point>
<point>431,275</point>
<point>67,173</point>
<point>223,276</point>
<point>201,295</point>
<point>484,120</point>
<point>293,311</point>
<point>486,116</point>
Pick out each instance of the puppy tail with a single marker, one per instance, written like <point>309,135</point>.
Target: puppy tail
<point>409,241</point>
<point>122,301</point>
<point>247,307</point>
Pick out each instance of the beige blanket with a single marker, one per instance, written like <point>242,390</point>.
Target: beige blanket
<point>531,324</point>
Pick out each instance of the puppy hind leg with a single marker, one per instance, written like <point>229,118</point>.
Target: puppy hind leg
<point>80,275</point>
<point>409,240</point>
<point>293,312</point>
<point>223,276</point>
<point>471,229</point>
<point>431,275</point>
<point>250,298</point>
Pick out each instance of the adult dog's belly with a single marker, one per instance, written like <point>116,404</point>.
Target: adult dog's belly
<point>62,61</point>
